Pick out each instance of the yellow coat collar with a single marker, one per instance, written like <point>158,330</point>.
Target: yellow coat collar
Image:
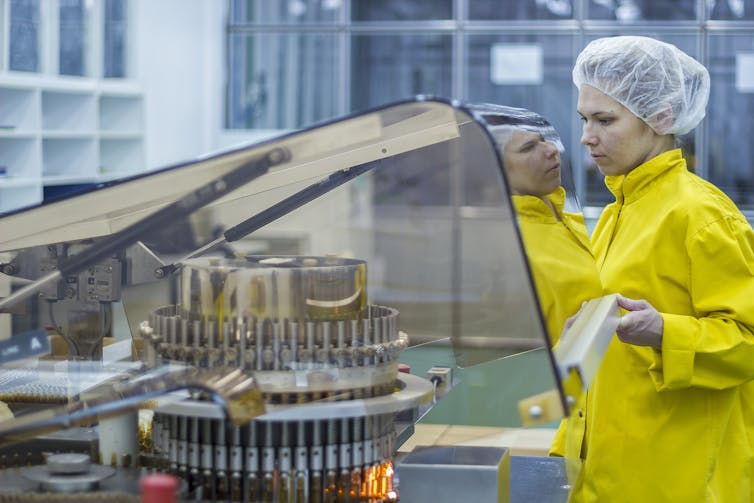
<point>534,208</point>
<point>632,186</point>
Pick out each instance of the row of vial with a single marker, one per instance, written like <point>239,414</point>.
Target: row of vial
<point>334,460</point>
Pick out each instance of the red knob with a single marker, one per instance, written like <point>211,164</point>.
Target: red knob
<point>159,488</point>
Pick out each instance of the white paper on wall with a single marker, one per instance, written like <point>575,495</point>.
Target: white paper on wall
<point>745,72</point>
<point>515,64</point>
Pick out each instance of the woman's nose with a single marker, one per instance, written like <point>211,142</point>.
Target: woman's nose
<point>550,149</point>
<point>587,138</point>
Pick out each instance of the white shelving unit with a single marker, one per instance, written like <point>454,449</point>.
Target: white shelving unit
<point>55,132</point>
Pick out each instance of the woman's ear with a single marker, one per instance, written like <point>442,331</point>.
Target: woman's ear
<point>663,119</point>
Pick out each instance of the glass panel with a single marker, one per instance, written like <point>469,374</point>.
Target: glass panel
<point>73,37</point>
<point>115,52</point>
<point>24,35</point>
<point>730,118</point>
<point>596,192</point>
<point>732,10</point>
<point>285,11</point>
<point>386,68</point>
<point>456,272</point>
<point>642,10</point>
<point>520,10</point>
<point>400,10</point>
<point>527,71</point>
<point>282,80</point>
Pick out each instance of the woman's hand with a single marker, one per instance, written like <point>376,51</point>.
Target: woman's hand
<point>642,325</point>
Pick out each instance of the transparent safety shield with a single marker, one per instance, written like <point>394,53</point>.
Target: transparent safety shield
<point>413,191</point>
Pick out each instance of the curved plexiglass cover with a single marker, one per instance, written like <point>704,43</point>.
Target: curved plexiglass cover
<point>413,191</point>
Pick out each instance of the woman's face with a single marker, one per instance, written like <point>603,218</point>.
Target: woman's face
<point>617,140</point>
<point>532,164</point>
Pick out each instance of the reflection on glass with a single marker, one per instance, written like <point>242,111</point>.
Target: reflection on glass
<point>24,35</point>
<point>452,266</point>
<point>73,35</point>
<point>288,12</point>
<point>731,105</point>
<point>386,68</point>
<point>549,94</point>
<point>400,10</point>
<point>553,229</point>
<point>554,235</point>
<point>282,80</point>
<point>730,10</point>
<point>642,10</point>
<point>115,38</point>
<point>521,9</point>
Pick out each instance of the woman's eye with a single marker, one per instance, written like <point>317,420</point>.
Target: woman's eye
<point>605,122</point>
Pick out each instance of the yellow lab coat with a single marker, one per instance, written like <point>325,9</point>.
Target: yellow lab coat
<point>560,258</point>
<point>676,424</point>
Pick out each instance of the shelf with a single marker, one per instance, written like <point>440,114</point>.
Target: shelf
<point>19,109</point>
<point>66,131</point>
<point>120,135</point>
<point>8,182</point>
<point>69,157</point>
<point>120,113</point>
<point>17,196</point>
<point>20,157</point>
<point>18,133</point>
<point>68,111</point>
<point>70,180</point>
<point>121,156</point>
<point>67,135</point>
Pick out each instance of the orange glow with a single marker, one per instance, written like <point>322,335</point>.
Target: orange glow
<point>377,483</point>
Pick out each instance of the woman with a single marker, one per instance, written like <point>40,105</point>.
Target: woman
<point>669,414</point>
<point>556,241</point>
<point>557,246</point>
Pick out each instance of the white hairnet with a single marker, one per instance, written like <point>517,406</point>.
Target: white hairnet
<point>502,121</point>
<point>650,78</point>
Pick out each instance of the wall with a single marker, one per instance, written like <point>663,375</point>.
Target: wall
<point>178,61</point>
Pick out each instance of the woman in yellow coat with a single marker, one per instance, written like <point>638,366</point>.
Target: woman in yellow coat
<point>670,414</point>
<point>556,241</point>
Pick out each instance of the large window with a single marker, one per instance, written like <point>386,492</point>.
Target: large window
<point>73,37</point>
<point>296,62</point>
<point>79,38</point>
<point>390,67</point>
<point>115,32</point>
<point>24,36</point>
<point>730,115</point>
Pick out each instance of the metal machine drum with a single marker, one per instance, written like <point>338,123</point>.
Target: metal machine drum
<point>290,287</point>
<point>301,324</point>
<point>303,327</point>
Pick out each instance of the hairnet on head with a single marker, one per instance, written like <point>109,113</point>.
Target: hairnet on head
<point>656,81</point>
<point>502,121</point>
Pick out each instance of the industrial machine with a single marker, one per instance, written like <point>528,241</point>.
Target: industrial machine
<point>261,362</point>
